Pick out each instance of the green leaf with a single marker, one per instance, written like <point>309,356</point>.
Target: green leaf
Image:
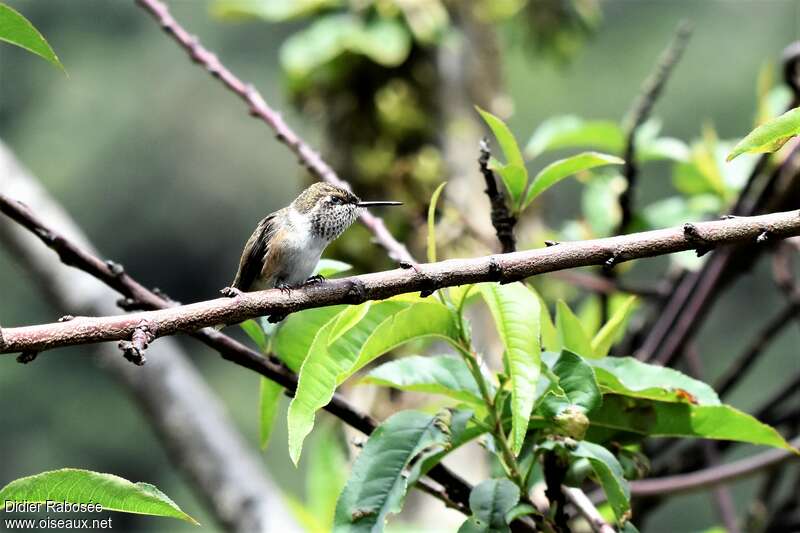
<point>549,334</point>
<point>577,381</point>
<point>330,267</point>
<point>83,486</point>
<point>564,168</point>
<point>570,131</point>
<point>256,334</point>
<point>17,30</point>
<point>610,475</point>
<point>672,419</point>
<point>347,320</point>
<point>377,486</point>
<point>297,332</point>
<point>269,401</point>
<point>516,311</point>
<point>271,10</point>
<point>630,377</point>
<point>385,41</point>
<point>600,203</point>
<point>327,475</point>
<point>770,136</point>
<point>432,222</point>
<point>387,325</point>
<point>420,319</point>
<point>490,501</point>
<point>571,335</point>
<point>440,374</point>
<point>513,173</point>
<point>613,329</point>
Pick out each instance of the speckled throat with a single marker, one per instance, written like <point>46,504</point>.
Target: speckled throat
<point>329,224</point>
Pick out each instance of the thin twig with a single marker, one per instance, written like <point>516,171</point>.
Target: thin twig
<point>259,108</point>
<point>380,285</point>
<point>713,476</point>
<point>502,219</point>
<point>640,111</point>
<point>587,509</point>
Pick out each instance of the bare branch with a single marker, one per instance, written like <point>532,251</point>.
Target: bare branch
<point>259,108</point>
<point>502,219</point>
<point>357,289</point>
<point>587,509</point>
<point>716,475</point>
<point>640,111</point>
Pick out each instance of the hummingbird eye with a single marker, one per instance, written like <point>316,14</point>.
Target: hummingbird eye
<point>336,200</point>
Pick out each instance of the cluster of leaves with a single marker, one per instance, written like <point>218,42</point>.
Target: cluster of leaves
<point>557,392</point>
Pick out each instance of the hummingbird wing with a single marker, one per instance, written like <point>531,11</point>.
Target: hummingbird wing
<point>255,253</point>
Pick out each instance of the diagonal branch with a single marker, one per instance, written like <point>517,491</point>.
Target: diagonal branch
<point>259,108</point>
<point>115,276</point>
<point>428,277</point>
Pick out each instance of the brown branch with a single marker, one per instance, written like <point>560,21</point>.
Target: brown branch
<point>259,108</point>
<point>502,219</point>
<point>133,350</point>
<point>640,111</point>
<point>713,476</point>
<point>587,509</point>
<point>230,349</point>
<point>428,277</point>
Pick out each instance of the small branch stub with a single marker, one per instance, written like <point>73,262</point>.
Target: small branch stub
<point>133,350</point>
<point>26,357</point>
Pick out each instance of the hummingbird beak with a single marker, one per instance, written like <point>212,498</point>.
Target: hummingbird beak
<point>376,204</point>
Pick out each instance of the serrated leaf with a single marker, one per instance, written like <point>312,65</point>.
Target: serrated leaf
<point>377,486</point>
<point>17,30</point>
<point>490,502</point>
<point>564,168</point>
<point>439,374</point>
<point>516,311</point>
<point>571,335</point>
<point>611,330</point>
<point>269,400</point>
<point>770,136</point>
<point>570,131</point>
<point>432,222</point>
<point>672,419</point>
<point>83,486</point>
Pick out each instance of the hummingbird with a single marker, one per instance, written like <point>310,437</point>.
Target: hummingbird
<point>286,245</point>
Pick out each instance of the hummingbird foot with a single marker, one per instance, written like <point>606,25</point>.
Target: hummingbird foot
<point>285,288</point>
<point>314,279</point>
<point>231,292</point>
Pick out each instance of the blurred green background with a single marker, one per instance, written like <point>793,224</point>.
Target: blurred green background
<point>168,174</point>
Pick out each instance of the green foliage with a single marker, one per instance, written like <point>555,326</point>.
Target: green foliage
<point>571,334</point>
<point>513,172</point>
<point>377,486</point>
<point>269,399</point>
<point>613,329</point>
<point>570,131</point>
<point>83,486</point>
<point>432,222</point>
<point>564,168</point>
<point>515,309</point>
<point>490,503</point>
<point>328,362</point>
<point>770,136</point>
<point>437,374</point>
<point>17,30</point>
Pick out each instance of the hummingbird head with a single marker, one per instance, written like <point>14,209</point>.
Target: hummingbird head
<point>331,209</point>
